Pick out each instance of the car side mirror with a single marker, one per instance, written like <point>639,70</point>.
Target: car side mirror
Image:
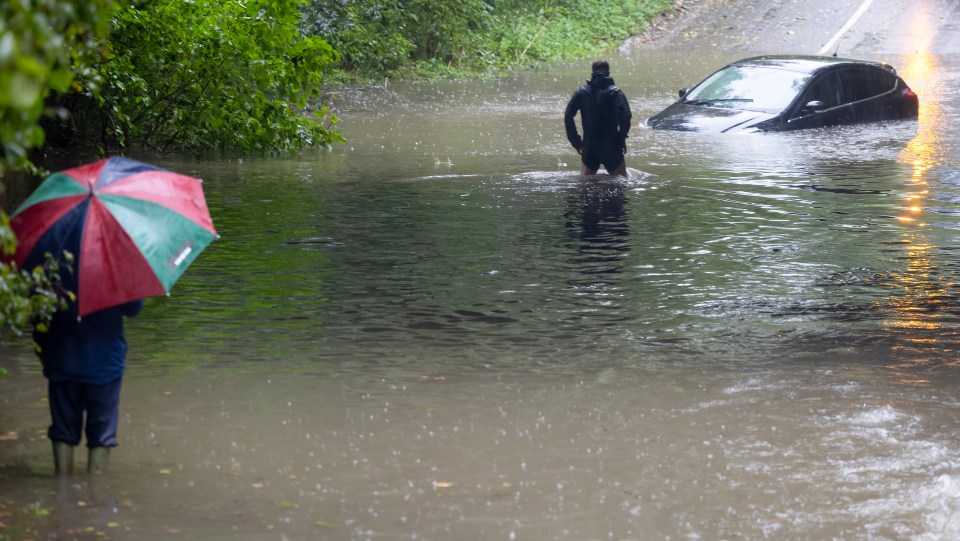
<point>683,92</point>
<point>814,106</point>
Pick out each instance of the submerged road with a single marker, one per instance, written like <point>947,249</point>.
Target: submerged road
<point>852,29</point>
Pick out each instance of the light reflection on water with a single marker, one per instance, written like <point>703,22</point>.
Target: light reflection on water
<point>440,331</point>
<point>925,312</point>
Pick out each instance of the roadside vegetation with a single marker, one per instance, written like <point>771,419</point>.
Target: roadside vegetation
<point>44,46</point>
<point>457,38</point>
<point>102,77</point>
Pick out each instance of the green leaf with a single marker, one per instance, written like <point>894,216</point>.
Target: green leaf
<point>23,90</point>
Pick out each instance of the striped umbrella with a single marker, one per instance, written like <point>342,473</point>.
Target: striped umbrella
<point>133,229</point>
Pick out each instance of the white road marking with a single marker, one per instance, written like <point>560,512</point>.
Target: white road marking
<point>852,21</point>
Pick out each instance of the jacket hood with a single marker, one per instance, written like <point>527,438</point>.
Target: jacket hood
<point>600,79</point>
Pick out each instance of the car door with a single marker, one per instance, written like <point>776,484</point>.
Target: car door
<point>872,93</point>
<point>823,103</point>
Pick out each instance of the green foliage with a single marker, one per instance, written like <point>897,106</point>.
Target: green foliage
<point>541,31</point>
<point>207,75</point>
<point>379,38</point>
<point>30,296</point>
<point>447,32</point>
<point>42,44</point>
<point>395,37</point>
<point>370,36</point>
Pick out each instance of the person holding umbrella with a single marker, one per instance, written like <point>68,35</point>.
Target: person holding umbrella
<point>127,231</point>
<point>83,361</point>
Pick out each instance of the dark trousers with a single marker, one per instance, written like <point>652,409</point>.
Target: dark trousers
<point>69,401</point>
<point>610,156</point>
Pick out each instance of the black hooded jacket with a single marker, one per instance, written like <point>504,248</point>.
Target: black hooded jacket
<point>604,112</point>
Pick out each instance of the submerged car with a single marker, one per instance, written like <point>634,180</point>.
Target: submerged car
<point>781,92</point>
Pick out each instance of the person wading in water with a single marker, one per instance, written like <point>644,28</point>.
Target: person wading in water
<point>83,361</point>
<point>605,115</point>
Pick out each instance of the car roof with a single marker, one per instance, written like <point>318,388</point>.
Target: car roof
<point>807,63</point>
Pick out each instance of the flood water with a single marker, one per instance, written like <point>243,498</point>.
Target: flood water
<point>441,331</point>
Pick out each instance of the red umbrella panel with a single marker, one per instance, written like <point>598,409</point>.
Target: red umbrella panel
<point>133,229</point>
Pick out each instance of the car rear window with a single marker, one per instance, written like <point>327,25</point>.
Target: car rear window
<point>861,84</point>
<point>749,87</point>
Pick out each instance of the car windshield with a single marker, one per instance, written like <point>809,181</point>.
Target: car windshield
<point>749,87</point>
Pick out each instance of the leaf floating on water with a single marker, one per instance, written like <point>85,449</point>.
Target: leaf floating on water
<point>113,525</point>
<point>165,472</point>
<point>9,436</point>
<point>38,510</point>
<point>442,484</point>
<point>325,524</point>
<point>287,504</point>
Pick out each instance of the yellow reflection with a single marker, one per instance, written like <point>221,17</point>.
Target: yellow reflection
<point>915,306</point>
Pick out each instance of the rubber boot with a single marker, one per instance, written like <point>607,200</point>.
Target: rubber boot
<point>62,457</point>
<point>97,459</point>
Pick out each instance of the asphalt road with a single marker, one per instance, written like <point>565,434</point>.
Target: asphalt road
<point>854,28</point>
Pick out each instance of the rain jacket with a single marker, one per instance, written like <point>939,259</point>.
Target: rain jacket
<point>92,350</point>
<point>604,112</point>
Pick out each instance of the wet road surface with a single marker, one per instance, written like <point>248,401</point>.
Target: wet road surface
<point>807,26</point>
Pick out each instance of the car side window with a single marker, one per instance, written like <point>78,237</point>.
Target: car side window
<point>862,84</point>
<point>828,89</point>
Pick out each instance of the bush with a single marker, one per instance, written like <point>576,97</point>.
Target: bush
<point>205,75</point>
<point>42,45</point>
<point>378,38</point>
